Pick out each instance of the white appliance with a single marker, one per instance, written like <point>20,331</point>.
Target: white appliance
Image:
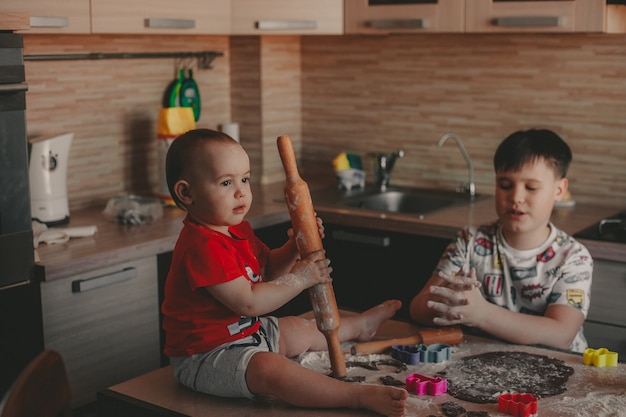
<point>47,172</point>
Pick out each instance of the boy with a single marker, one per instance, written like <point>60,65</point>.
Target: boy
<point>223,278</point>
<point>520,279</point>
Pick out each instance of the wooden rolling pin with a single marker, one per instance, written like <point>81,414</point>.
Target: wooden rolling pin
<point>447,335</point>
<point>308,240</point>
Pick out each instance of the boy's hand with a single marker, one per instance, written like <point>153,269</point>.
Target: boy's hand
<point>313,269</point>
<point>458,301</point>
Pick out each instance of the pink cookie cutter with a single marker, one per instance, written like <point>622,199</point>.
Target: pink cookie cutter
<point>426,385</point>
<point>518,405</point>
<point>599,357</point>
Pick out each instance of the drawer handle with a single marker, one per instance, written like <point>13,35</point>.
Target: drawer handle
<point>382,241</point>
<point>82,285</point>
<point>170,23</point>
<point>13,88</point>
<point>397,23</point>
<point>285,24</point>
<point>528,21</point>
<point>49,21</point>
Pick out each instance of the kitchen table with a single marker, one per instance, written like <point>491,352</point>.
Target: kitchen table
<point>590,391</point>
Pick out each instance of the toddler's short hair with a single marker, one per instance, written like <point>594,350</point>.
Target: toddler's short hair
<point>182,150</point>
<point>531,145</point>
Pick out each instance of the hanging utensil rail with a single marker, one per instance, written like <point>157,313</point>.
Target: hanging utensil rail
<point>205,58</point>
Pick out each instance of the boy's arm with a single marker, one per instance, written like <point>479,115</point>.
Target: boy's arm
<point>557,327</point>
<point>247,299</point>
<point>420,310</point>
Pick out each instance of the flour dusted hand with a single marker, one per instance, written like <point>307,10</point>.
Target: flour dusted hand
<point>458,300</point>
<point>312,270</point>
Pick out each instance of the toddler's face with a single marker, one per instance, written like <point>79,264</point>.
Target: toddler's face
<point>524,202</point>
<point>219,185</point>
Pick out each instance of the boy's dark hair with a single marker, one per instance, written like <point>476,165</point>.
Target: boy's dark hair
<point>180,153</point>
<point>530,145</point>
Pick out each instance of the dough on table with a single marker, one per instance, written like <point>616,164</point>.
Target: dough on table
<point>482,378</point>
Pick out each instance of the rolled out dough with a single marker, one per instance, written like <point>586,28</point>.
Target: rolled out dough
<point>482,378</point>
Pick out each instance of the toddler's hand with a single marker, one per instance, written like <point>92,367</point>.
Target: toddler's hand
<point>313,269</point>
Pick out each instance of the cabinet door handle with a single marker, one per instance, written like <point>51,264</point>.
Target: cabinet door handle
<point>49,21</point>
<point>397,23</point>
<point>285,24</point>
<point>527,21</point>
<point>13,88</point>
<point>152,22</point>
<point>382,241</point>
<point>82,285</point>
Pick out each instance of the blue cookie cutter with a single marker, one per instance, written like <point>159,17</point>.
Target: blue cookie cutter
<point>409,354</point>
<point>414,354</point>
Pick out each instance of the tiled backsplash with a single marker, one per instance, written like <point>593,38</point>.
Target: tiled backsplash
<point>112,106</point>
<point>368,94</point>
<point>358,93</point>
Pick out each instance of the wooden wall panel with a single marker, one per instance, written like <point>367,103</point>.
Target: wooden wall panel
<point>112,106</point>
<point>338,93</point>
<point>366,94</point>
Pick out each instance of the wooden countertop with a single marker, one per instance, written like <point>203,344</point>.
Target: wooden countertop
<point>590,391</point>
<point>115,243</point>
<point>14,21</point>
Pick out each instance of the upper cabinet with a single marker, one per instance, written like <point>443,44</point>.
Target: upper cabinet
<point>300,17</point>
<point>404,16</point>
<point>68,16</point>
<point>535,16</point>
<point>191,17</point>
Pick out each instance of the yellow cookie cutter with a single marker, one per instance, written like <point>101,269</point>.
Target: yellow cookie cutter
<point>599,357</point>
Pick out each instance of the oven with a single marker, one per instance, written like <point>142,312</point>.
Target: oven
<point>21,333</point>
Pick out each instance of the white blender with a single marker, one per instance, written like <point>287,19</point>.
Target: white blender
<point>47,173</point>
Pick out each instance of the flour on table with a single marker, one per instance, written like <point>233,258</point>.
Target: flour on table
<point>482,378</point>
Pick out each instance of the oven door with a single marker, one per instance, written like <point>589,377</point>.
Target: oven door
<point>16,236</point>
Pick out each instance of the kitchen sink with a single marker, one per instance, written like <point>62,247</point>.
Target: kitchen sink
<point>409,201</point>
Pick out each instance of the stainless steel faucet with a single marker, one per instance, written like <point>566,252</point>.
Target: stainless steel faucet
<point>382,167</point>
<point>471,187</point>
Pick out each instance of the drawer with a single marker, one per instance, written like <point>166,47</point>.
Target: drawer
<point>608,291</point>
<point>105,324</point>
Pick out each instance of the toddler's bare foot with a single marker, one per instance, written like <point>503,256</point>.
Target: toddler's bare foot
<point>385,400</point>
<point>371,319</point>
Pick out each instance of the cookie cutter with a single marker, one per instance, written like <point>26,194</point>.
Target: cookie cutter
<point>518,405</point>
<point>599,357</point>
<point>425,385</point>
<point>409,354</point>
<point>414,354</point>
<point>435,353</point>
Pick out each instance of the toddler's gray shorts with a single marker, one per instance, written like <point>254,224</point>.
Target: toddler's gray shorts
<point>222,371</point>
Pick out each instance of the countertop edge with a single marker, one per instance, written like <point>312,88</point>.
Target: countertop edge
<point>114,243</point>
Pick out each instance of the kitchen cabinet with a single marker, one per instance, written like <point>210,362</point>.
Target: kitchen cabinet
<point>606,322</point>
<point>383,17</point>
<point>535,16</point>
<point>299,17</point>
<point>21,330</point>
<point>189,17</point>
<point>371,266</point>
<point>274,237</point>
<point>69,16</point>
<point>105,324</point>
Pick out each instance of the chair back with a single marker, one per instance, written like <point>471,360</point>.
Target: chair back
<point>41,390</point>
